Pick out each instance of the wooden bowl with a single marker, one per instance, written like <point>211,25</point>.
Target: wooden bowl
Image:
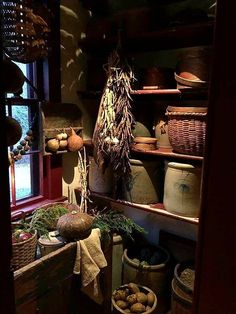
<point>144,143</point>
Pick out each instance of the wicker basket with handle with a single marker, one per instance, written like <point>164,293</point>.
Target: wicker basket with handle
<point>187,129</point>
<point>24,252</point>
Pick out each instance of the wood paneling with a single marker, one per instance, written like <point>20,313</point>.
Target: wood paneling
<point>48,286</point>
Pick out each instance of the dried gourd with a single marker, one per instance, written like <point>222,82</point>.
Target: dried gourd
<point>75,225</point>
<point>64,136</point>
<point>59,137</point>
<point>13,131</point>
<point>14,79</point>
<point>75,142</point>
<point>63,144</point>
<point>53,145</point>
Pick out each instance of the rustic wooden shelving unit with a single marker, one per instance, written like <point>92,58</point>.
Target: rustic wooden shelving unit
<point>164,152</point>
<point>157,209</point>
<point>173,94</point>
<point>171,38</point>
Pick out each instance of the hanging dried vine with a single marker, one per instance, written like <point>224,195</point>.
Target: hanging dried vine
<point>113,130</point>
<point>83,171</point>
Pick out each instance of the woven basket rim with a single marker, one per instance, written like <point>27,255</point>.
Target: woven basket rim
<point>187,109</point>
<point>24,242</point>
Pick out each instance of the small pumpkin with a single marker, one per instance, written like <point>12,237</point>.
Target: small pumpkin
<point>75,225</point>
<point>75,142</point>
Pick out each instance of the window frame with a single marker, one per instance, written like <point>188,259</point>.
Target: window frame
<point>34,105</point>
<point>48,89</point>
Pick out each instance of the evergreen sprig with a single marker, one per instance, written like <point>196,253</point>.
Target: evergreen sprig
<point>44,220</point>
<point>116,222</point>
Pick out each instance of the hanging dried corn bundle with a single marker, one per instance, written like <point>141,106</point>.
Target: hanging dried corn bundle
<point>25,33</point>
<point>113,130</point>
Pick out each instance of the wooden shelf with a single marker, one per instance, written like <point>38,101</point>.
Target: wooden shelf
<point>170,38</point>
<point>157,209</point>
<point>186,93</point>
<point>164,152</point>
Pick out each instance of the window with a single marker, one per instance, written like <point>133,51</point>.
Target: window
<point>35,178</point>
<point>25,173</point>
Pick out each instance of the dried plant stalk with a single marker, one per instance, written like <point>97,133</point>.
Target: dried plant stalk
<point>113,131</point>
<point>83,170</point>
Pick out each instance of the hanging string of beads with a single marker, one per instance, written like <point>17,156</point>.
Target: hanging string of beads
<point>23,147</point>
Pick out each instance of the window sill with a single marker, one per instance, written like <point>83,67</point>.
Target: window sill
<point>31,206</point>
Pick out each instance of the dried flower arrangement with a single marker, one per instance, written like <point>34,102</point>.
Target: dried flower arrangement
<point>113,130</point>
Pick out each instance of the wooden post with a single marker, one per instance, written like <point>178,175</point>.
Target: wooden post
<point>7,304</point>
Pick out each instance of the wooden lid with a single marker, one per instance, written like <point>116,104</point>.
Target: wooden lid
<point>187,109</point>
<point>147,140</point>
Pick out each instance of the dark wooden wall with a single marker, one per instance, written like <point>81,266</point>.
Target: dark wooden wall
<point>216,272</point>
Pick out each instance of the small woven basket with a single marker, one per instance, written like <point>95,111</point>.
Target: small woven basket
<point>187,129</point>
<point>23,252</point>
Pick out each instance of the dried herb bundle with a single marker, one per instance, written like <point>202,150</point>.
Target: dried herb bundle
<point>83,171</point>
<point>113,131</point>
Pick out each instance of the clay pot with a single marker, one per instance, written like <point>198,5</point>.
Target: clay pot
<point>146,183</point>
<point>99,181</point>
<point>13,78</point>
<point>13,131</point>
<point>161,133</point>
<point>182,189</point>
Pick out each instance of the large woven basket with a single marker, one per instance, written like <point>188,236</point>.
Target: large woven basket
<point>25,33</point>
<point>187,129</point>
<point>23,252</point>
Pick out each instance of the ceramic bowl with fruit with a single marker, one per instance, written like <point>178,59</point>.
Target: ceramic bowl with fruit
<point>133,298</point>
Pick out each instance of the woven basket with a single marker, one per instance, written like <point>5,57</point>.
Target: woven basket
<point>187,129</point>
<point>23,252</point>
<point>25,34</point>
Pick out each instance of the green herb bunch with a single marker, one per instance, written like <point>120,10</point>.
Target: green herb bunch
<point>116,222</point>
<point>45,220</point>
